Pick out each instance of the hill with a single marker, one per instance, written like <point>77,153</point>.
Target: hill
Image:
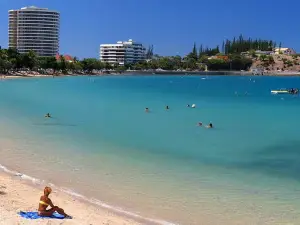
<point>278,62</point>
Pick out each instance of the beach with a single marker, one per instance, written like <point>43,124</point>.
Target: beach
<point>17,195</point>
<point>32,74</point>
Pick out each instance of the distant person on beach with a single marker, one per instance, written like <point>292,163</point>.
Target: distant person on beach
<point>45,201</point>
<point>209,125</point>
<point>146,110</point>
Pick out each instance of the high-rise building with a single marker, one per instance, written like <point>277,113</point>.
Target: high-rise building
<point>32,28</point>
<point>124,52</point>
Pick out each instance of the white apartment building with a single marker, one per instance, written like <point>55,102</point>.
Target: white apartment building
<point>284,51</point>
<point>124,52</point>
<point>32,28</point>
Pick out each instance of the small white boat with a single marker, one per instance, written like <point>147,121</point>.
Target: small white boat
<point>291,91</point>
<point>281,91</point>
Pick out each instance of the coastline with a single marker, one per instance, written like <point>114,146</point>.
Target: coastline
<point>149,73</point>
<point>210,73</point>
<point>17,194</point>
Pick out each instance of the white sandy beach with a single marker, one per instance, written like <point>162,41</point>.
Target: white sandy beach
<point>16,195</point>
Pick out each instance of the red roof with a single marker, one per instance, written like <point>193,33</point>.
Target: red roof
<point>67,57</point>
<point>224,57</point>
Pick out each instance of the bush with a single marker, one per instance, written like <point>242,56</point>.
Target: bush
<point>289,63</point>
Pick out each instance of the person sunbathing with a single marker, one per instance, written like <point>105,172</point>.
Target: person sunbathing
<point>45,201</point>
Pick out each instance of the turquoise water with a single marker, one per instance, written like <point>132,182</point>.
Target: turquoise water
<point>161,165</point>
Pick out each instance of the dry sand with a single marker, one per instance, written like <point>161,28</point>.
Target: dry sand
<point>16,195</point>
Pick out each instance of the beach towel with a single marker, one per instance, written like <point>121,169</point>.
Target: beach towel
<point>35,215</point>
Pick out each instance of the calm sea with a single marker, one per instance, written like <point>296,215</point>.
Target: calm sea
<point>161,165</point>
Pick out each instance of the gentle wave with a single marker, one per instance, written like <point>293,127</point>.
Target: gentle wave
<point>90,200</point>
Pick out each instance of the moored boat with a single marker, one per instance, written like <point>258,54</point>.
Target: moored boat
<point>292,91</point>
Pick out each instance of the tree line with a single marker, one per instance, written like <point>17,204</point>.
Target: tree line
<point>202,58</point>
<point>240,44</point>
<point>12,60</point>
<point>234,46</point>
<point>232,62</point>
<point>231,51</point>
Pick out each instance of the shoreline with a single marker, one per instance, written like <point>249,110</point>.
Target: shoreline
<point>208,73</point>
<point>20,192</point>
<point>158,73</point>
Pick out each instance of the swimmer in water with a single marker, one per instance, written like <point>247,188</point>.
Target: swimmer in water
<point>167,107</point>
<point>48,115</point>
<point>188,105</point>
<point>209,125</point>
<point>200,124</point>
<point>146,109</point>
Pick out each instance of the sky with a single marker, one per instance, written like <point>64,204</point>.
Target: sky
<point>171,26</point>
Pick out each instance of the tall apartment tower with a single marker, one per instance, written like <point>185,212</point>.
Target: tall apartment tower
<point>32,28</point>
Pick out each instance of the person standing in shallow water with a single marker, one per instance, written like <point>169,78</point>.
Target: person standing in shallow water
<point>210,125</point>
<point>146,110</point>
<point>45,201</point>
<point>48,115</point>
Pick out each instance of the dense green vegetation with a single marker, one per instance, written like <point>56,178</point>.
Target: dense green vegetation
<point>11,60</point>
<point>233,62</point>
<point>240,44</point>
<point>229,58</point>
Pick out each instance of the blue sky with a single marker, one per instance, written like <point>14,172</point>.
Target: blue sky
<point>172,26</point>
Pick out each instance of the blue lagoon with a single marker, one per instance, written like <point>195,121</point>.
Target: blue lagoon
<point>161,165</point>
